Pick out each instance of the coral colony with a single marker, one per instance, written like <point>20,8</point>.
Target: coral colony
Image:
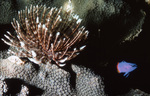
<point>47,35</point>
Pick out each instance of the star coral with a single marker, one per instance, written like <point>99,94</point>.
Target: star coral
<point>47,80</point>
<point>47,35</point>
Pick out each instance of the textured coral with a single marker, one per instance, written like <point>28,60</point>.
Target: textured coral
<point>87,83</point>
<point>136,92</point>
<point>24,91</point>
<point>51,79</point>
<point>7,11</point>
<point>148,1</point>
<point>3,87</point>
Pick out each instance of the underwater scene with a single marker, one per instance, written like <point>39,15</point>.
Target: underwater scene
<point>74,47</point>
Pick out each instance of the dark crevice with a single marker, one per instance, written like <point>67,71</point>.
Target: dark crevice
<point>14,87</point>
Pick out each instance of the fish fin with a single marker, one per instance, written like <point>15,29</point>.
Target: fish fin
<point>126,74</point>
<point>133,64</point>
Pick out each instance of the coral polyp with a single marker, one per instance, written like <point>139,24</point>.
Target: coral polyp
<point>45,34</point>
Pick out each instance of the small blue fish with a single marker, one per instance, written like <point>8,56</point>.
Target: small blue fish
<point>126,67</point>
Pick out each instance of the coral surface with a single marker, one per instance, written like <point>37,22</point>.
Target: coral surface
<point>49,79</point>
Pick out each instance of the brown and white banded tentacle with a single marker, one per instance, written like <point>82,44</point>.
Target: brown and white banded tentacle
<point>46,35</point>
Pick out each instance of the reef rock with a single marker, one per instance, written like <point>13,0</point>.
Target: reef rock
<point>47,79</point>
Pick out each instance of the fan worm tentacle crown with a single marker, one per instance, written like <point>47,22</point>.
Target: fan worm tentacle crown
<point>47,35</point>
